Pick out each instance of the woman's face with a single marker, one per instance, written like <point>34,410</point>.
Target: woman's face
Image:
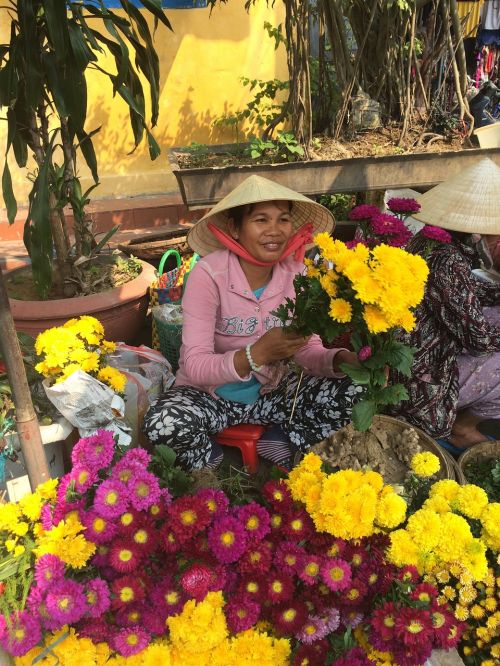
<point>265,230</point>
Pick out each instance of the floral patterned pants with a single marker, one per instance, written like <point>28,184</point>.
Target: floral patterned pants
<point>186,418</point>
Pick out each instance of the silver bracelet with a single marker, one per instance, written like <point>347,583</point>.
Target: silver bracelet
<point>251,362</point>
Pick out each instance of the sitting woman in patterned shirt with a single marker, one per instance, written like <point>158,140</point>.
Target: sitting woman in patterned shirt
<point>233,365</point>
<point>455,382</point>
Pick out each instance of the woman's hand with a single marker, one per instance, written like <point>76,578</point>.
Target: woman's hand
<point>344,356</point>
<point>276,345</point>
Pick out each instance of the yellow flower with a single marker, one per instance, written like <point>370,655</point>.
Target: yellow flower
<point>328,283</point>
<point>470,500</point>
<point>477,612</point>
<point>340,310</point>
<point>65,541</point>
<point>461,613</point>
<point>425,464</point>
<point>31,506</point>
<point>391,510</point>
<point>445,488</point>
<point>375,319</point>
<point>113,378</point>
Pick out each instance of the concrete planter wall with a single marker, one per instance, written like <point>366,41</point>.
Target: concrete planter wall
<point>205,186</point>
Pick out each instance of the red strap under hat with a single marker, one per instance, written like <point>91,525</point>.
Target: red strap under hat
<point>296,244</point>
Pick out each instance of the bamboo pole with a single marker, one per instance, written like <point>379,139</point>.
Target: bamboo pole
<point>27,423</point>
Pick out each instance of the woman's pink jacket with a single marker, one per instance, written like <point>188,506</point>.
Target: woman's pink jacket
<point>222,315</point>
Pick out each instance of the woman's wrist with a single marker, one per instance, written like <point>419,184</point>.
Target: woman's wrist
<point>344,356</point>
<point>256,367</point>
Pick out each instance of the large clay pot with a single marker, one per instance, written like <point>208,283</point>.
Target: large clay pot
<point>121,310</point>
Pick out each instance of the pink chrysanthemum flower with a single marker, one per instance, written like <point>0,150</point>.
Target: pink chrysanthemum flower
<point>46,517</point>
<point>310,570</point>
<point>128,616</point>
<point>336,574</point>
<point>351,619</point>
<point>401,239</point>
<point>355,554</point>
<point>124,555</point>
<point>83,477</point>
<point>313,630</point>
<point>413,626</point>
<point>280,587</point>
<point>298,526</point>
<point>241,613</point>
<point>66,601</point>
<point>144,537</point>
<point>96,629</point>
<point>126,590</point>
<point>167,597</point>
<point>111,499</point>
<point>100,559</point>
<point>277,494</point>
<point>65,503</point>
<point>255,520</point>
<point>97,597</point>
<point>216,500</point>
<point>135,456</point>
<point>363,212</point>
<point>48,570</point>
<point>256,559</point>
<point>20,633</point>
<point>197,580</point>
<point>253,586</point>
<point>188,516</point>
<point>130,640</point>
<point>365,353</point>
<point>332,618</point>
<point>289,618</point>
<point>95,452</point>
<point>144,489</point>
<point>36,606</point>
<point>436,234</point>
<point>403,205</point>
<point>227,539</point>
<point>99,530</point>
<point>289,557</point>
<point>383,224</point>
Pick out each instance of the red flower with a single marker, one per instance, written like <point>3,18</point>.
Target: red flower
<point>414,626</point>
<point>280,587</point>
<point>289,618</point>
<point>196,581</point>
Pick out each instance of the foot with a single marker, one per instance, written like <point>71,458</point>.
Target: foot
<point>464,437</point>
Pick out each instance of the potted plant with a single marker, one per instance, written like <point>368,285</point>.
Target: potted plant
<point>43,69</point>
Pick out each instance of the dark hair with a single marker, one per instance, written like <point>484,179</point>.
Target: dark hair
<point>237,213</point>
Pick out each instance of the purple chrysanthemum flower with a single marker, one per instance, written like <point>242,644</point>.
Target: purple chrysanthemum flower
<point>111,498</point>
<point>310,570</point>
<point>363,212</point>
<point>399,240</point>
<point>216,500</point>
<point>364,353</point>
<point>332,618</point>
<point>83,477</point>
<point>352,618</point>
<point>46,517</point>
<point>98,529</point>
<point>336,574</point>
<point>227,539</point>
<point>95,452</point>
<point>255,520</point>
<point>20,633</point>
<point>130,640</point>
<point>383,224</point>
<point>436,233</point>
<point>66,601</point>
<point>97,597</point>
<point>403,205</point>
<point>144,489</point>
<point>36,605</point>
<point>167,597</point>
<point>241,614</point>
<point>48,570</point>
<point>313,630</point>
<point>134,456</point>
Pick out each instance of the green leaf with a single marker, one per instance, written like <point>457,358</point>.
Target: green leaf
<point>165,454</point>
<point>29,42</point>
<point>8,194</point>
<point>154,148</point>
<point>362,414</point>
<point>400,357</point>
<point>392,395</point>
<point>154,6</point>
<point>358,375</point>
<point>81,53</point>
<point>88,152</point>
<point>56,20</point>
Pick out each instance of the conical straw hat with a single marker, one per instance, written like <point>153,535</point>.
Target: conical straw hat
<point>468,202</point>
<point>256,189</point>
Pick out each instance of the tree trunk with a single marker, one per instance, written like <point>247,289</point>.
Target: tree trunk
<point>27,423</point>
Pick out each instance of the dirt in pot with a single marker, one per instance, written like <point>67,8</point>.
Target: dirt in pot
<point>385,450</point>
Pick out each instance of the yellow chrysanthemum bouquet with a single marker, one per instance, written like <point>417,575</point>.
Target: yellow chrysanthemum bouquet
<point>78,344</point>
<point>371,295</point>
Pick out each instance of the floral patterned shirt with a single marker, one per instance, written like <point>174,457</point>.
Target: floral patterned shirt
<point>450,322</point>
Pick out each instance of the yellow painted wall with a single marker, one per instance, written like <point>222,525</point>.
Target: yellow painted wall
<point>200,65</point>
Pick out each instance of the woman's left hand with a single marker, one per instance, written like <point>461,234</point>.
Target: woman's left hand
<point>344,356</point>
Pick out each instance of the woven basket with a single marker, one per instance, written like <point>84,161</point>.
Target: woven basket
<point>484,450</point>
<point>169,339</point>
<point>150,247</point>
<point>389,423</point>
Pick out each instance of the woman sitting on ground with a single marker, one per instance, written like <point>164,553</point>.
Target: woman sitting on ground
<point>233,361</point>
<point>455,382</point>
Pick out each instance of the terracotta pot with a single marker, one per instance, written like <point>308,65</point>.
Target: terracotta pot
<point>121,310</point>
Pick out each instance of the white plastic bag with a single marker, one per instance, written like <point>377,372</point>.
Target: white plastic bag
<point>89,405</point>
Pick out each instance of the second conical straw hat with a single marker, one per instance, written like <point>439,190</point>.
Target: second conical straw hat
<point>468,202</point>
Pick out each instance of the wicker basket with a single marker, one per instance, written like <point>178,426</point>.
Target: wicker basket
<point>484,450</point>
<point>381,422</point>
<point>170,340</point>
<point>151,247</point>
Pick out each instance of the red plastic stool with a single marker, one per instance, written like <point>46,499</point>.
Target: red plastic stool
<point>245,438</point>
